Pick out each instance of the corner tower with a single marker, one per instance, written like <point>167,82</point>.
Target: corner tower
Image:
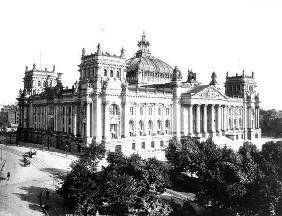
<point>244,87</point>
<point>35,80</point>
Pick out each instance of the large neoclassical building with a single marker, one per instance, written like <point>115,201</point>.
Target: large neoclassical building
<point>134,105</point>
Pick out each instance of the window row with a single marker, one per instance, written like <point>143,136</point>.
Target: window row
<point>150,130</point>
<point>142,111</point>
<point>143,146</point>
<point>112,73</point>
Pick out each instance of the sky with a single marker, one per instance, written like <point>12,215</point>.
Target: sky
<point>202,35</point>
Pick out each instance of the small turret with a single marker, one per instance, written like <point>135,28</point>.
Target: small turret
<point>122,53</point>
<point>83,52</point>
<point>176,74</point>
<point>144,46</point>
<point>99,51</point>
<point>214,79</point>
<point>59,80</point>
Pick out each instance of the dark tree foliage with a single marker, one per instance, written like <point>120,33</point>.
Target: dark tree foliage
<point>80,187</point>
<point>127,186</point>
<point>271,123</point>
<point>247,182</point>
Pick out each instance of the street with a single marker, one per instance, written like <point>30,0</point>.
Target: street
<point>20,194</point>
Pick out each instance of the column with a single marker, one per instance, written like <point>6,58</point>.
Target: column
<point>74,120</point>
<point>219,120</point>
<point>198,120</point>
<point>91,119</point>
<point>87,119</point>
<point>257,117</point>
<point>224,118</point>
<point>238,110</point>
<point>106,124</point>
<point>190,111</point>
<point>205,120</point>
<point>212,120</point>
<point>185,120</point>
<point>182,120</point>
<point>125,122</point>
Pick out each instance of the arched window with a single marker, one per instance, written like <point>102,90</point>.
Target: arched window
<point>167,111</point>
<point>141,127</point>
<point>159,124</point>
<point>131,128</point>
<point>105,72</point>
<point>150,127</point>
<point>111,73</point>
<point>118,74</point>
<point>114,110</point>
<point>39,83</point>
<point>240,123</point>
<point>230,124</point>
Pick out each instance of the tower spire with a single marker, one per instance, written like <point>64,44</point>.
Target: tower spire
<point>143,46</point>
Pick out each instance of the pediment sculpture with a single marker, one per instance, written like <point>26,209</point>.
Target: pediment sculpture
<point>211,94</point>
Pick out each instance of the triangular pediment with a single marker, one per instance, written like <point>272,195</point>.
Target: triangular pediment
<point>210,92</point>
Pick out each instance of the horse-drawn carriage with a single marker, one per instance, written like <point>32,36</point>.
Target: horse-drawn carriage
<point>26,161</point>
<point>28,155</point>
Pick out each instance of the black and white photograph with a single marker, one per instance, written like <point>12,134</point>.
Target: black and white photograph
<point>142,108</point>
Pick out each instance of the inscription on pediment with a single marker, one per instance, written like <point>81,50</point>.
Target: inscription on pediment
<point>210,93</point>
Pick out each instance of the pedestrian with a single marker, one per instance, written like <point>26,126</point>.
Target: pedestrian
<point>47,194</point>
<point>8,176</point>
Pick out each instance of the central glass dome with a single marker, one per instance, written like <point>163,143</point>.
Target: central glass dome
<point>144,68</point>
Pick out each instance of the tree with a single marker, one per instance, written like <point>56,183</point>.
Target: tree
<point>80,186</point>
<point>133,186</point>
<point>127,185</point>
<point>245,182</point>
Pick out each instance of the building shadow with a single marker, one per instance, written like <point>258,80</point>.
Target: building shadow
<point>59,174</point>
<point>32,195</point>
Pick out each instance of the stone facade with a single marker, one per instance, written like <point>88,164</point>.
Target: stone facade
<point>134,105</point>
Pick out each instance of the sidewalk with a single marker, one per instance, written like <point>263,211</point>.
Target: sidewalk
<point>51,150</point>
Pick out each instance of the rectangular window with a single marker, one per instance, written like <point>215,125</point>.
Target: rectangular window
<point>133,146</point>
<point>152,144</point>
<point>113,131</point>
<point>143,145</point>
<point>141,110</point>
<point>69,130</point>
<point>131,110</point>
<point>69,120</point>
<point>150,111</point>
<point>161,143</point>
<point>160,111</point>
